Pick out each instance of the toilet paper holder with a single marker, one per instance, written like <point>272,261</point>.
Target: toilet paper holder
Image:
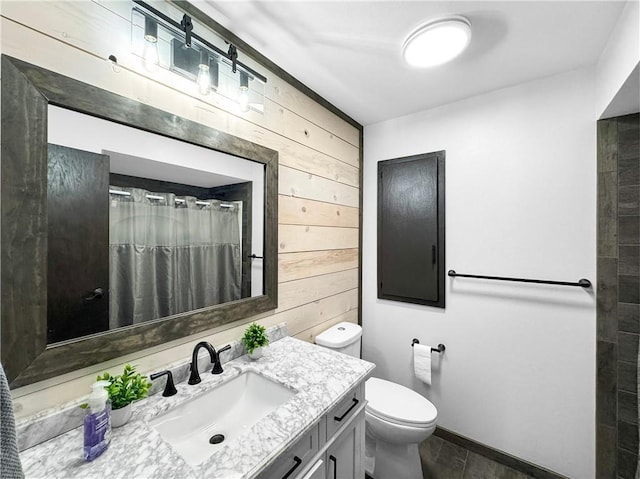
<point>440,349</point>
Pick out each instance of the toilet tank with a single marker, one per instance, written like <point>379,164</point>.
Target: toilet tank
<point>342,337</point>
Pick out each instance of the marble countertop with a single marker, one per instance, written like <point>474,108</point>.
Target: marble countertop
<point>320,376</point>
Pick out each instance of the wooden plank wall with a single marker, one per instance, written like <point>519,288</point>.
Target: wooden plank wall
<point>319,184</point>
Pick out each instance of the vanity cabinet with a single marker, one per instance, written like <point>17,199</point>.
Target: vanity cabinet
<point>332,449</point>
<point>317,432</point>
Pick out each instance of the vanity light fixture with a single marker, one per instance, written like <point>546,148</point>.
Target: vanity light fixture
<point>175,46</point>
<point>437,41</point>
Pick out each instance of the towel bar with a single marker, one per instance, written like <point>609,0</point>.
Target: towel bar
<point>440,349</point>
<point>582,283</point>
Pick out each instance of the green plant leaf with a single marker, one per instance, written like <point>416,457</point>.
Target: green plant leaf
<point>255,336</point>
<point>126,388</point>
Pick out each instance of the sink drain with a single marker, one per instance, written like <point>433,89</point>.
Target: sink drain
<point>216,439</point>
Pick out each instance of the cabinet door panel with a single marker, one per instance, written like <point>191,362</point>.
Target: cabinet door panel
<point>345,457</point>
<point>77,243</point>
<point>411,229</point>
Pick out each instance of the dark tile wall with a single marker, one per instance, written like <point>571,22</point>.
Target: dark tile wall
<point>618,297</point>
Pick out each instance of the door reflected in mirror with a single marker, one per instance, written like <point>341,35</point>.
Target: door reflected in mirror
<point>142,227</point>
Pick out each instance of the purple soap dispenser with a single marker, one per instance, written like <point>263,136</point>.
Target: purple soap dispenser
<point>97,422</point>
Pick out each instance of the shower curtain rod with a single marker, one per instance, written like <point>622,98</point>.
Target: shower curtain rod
<point>177,200</point>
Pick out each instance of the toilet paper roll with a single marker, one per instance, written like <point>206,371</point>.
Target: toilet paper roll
<point>422,362</point>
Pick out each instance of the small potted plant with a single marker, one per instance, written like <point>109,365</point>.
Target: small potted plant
<point>123,389</point>
<point>254,339</point>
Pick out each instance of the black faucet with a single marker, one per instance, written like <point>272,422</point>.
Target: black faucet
<point>194,378</point>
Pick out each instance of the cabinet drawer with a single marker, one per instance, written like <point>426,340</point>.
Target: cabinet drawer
<point>296,458</point>
<point>344,410</point>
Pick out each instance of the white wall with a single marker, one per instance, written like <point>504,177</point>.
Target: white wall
<point>519,371</point>
<point>618,64</point>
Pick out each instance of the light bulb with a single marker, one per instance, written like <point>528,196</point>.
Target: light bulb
<point>243,101</point>
<point>204,75</point>
<point>204,79</point>
<point>150,57</point>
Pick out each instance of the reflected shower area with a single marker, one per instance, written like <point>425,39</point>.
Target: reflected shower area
<point>192,248</point>
<point>143,227</point>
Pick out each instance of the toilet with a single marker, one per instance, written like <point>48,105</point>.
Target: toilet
<point>397,418</point>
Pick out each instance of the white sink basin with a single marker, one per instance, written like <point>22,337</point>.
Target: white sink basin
<point>229,409</point>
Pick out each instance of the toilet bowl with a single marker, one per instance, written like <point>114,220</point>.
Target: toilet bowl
<point>397,419</point>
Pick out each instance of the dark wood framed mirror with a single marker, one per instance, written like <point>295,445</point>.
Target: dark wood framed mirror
<point>27,92</point>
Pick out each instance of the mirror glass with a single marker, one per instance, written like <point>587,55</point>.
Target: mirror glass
<point>143,227</point>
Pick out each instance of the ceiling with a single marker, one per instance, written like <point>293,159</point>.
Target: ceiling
<point>349,51</point>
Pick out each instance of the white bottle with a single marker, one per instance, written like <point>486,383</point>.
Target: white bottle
<point>97,422</point>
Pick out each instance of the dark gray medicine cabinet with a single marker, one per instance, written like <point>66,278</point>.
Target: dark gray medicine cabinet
<point>411,229</point>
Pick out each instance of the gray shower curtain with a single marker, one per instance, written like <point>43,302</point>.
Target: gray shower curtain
<point>169,254</point>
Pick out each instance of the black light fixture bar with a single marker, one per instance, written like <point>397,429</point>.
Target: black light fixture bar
<point>190,33</point>
<point>582,283</point>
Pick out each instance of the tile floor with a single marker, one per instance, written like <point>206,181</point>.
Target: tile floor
<point>444,460</point>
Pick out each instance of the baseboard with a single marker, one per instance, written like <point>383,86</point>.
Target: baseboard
<point>497,456</point>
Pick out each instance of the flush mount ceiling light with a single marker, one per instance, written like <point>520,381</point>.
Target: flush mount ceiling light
<point>437,42</point>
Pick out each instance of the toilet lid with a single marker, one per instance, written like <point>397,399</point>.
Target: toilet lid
<point>398,404</point>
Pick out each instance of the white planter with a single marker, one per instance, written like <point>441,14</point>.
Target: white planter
<point>119,417</point>
<point>256,354</point>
